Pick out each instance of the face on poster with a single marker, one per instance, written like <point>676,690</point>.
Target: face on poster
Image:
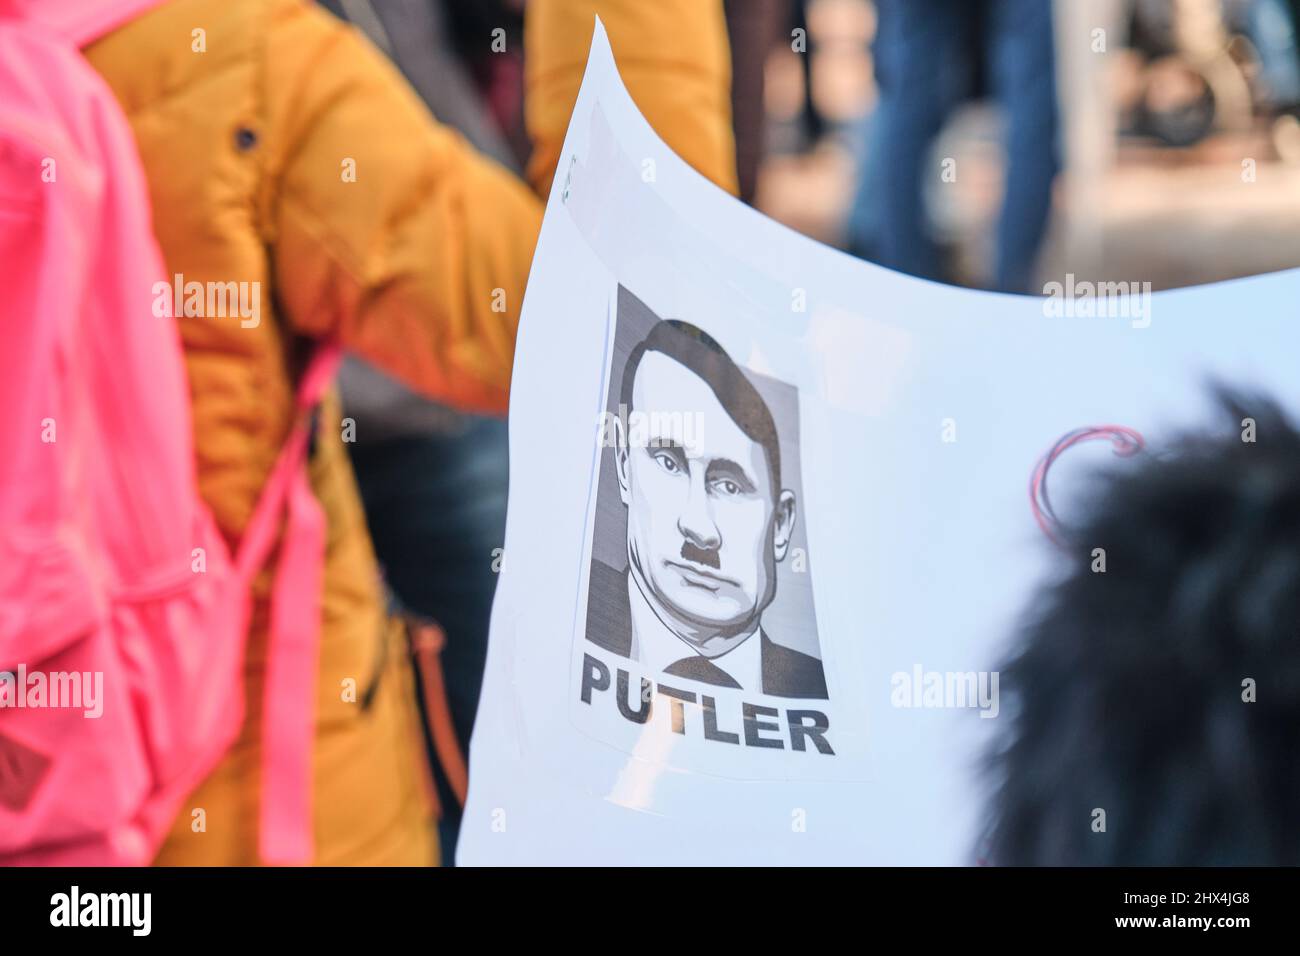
<point>699,638</point>
<point>768,530</point>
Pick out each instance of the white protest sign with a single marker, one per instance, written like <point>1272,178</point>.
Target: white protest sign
<point>768,529</point>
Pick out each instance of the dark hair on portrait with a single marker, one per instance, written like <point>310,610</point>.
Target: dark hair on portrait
<point>1125,688</point>
<point>699,352</point>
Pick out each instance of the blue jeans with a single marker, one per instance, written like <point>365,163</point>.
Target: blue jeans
<point>436,506</point>
<point>924,55</point>
<point>1273,32</point>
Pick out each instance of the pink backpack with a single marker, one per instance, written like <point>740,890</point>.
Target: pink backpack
<point>123,617</point>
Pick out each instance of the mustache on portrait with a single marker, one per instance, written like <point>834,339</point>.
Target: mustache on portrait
<point>700,556</point>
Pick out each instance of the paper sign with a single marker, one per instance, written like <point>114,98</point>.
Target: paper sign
<point>769,530</point>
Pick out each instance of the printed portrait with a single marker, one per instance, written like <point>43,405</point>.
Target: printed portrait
<point>699,562</point>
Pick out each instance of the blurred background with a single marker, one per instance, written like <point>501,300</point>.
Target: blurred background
<point>1175,129</point>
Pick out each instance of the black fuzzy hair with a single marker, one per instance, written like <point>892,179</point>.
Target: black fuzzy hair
<point>1125,690</point>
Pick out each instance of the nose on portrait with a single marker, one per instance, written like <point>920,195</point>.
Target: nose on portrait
<point>697,527</point>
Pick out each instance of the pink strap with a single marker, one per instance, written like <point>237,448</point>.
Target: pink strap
<point>79,21</point>
<point>289,696</point>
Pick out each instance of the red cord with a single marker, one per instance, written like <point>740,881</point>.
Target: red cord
<point>1127,442</point>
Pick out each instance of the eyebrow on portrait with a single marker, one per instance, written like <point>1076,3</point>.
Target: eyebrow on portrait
<point>665,441</point>
<point>726,468</point>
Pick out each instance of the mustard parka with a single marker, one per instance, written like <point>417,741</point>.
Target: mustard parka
<point>282,149</point>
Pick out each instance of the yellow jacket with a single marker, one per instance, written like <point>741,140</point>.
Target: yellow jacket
<point>282,149</point>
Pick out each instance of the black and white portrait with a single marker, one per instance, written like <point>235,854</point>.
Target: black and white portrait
<point>700,567</point>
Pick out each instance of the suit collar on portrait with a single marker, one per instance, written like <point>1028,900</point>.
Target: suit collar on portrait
<point>785,671</point>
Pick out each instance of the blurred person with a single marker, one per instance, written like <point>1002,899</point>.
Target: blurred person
<point>753,26</point>
<point>421,39</point>
<point>1165,691</point>
<point>497,73</point>
<point>434,485</point>
<point>922,52</point>
<point>811,121</point>
<point>434,481</point>
<point>281,149</point>
<point>1271,25</point>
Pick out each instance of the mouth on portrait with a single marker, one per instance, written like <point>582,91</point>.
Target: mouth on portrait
<point>696,576</point>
